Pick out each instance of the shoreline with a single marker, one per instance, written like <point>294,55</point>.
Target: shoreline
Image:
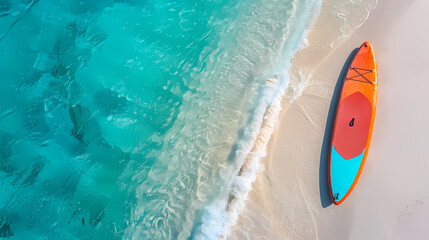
<point>288,200</point>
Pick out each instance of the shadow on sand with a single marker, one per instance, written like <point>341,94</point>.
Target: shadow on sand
<point>325,197</point>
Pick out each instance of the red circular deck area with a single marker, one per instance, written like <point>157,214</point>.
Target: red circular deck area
<point>352,125</point>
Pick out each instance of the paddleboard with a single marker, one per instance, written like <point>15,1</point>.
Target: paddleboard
<point>353,124</point>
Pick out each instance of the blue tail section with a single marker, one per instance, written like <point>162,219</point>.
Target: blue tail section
<point>343,173</point>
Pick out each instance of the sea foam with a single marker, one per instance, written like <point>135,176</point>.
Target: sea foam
<point>219,217</point>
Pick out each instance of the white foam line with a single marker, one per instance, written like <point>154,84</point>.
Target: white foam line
<point>251,151</point>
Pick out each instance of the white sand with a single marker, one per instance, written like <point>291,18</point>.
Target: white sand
<point>289,199</point>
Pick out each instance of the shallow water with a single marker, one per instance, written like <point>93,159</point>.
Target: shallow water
<point>131,119</point>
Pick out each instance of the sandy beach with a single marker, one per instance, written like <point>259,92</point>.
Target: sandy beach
<point>290,198</point>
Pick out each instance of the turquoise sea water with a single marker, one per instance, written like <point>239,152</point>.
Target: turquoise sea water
<point>130,119</point>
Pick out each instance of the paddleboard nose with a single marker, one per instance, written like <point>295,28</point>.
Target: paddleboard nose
<point>370,62</point>
<point>367,44</point>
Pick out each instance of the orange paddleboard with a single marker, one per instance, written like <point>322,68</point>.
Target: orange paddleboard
<point>354,120</point>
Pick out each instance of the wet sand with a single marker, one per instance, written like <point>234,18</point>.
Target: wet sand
<point>290,198</point>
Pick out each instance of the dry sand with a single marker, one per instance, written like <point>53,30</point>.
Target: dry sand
<point>290,199</point>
